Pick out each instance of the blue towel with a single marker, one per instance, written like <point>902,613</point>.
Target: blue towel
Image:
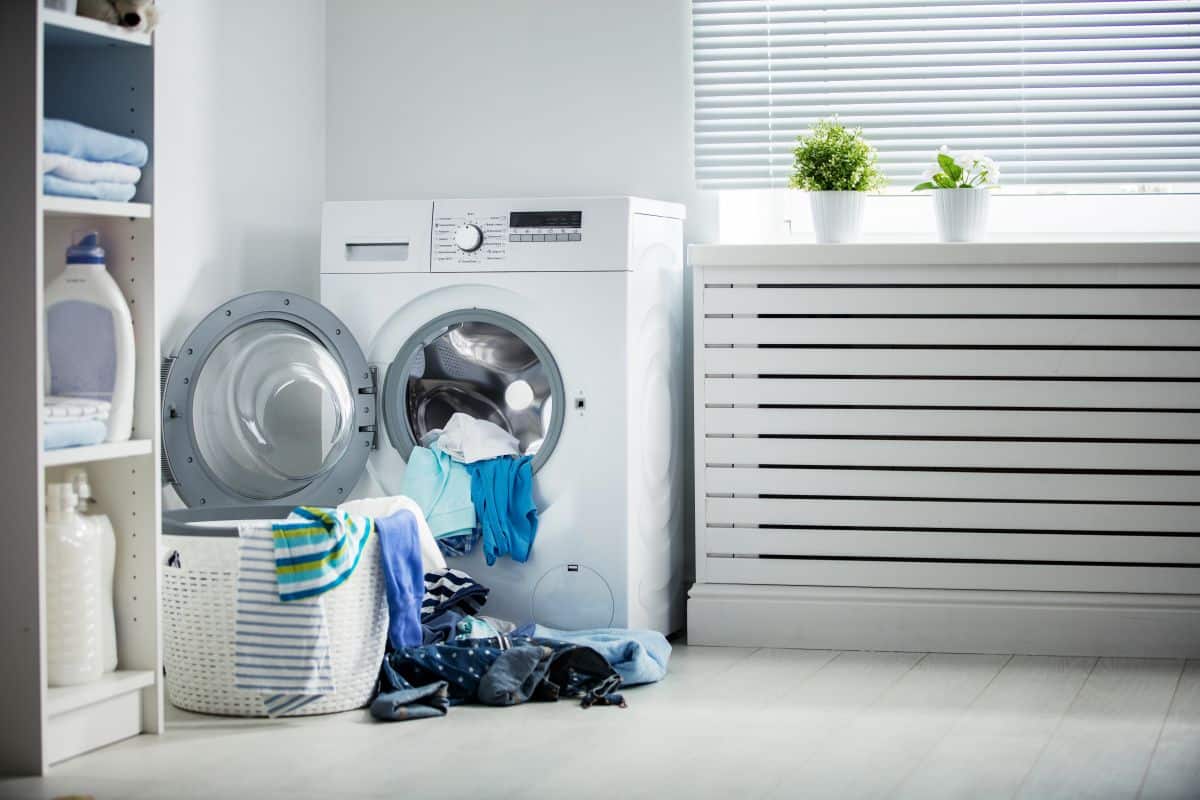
<point>101,190</point>
<point>637,656</point>
<point>502,491</point>
<point>80,141</point>
<point>442,488</point>
<point>57,435</point>
<point>403,577</point>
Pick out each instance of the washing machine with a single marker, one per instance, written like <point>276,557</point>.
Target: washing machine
<point>560,320</point>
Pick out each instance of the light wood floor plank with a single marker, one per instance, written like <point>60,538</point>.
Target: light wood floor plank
<point>872,754</point>
<point>1107,737</point>
<point>1174,772</point>
<point>1000,736</point>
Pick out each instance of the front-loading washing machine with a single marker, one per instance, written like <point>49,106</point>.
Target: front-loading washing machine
<point>560,320</point>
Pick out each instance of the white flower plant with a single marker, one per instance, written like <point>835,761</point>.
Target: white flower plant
<point>960,171</point>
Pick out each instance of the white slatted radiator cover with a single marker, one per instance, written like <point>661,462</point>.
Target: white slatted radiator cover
<point>1000,417</point>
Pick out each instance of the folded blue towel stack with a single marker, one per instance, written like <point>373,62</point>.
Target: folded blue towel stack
<point>79,161</point>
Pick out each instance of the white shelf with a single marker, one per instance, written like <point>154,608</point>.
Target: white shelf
<point>78,207</point>
<point>97,452</point>
<point>62,699</point>
<point>69,30</point>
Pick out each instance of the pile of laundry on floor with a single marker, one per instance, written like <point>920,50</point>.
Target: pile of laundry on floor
<point>474,486</point>
<point>78,161</point>
<point>74,421</point>
<point>441,650</point>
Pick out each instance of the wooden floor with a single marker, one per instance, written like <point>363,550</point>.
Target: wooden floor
<point>727,723</point>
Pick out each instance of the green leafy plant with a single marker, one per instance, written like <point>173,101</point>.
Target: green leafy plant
<point>834,158</point>
<point>960,171</point>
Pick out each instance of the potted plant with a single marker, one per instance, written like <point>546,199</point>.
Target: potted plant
<point>836,166</point>
<point>960,198</point>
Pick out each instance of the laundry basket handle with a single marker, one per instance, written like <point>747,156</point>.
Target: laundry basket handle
<point>219,522</point>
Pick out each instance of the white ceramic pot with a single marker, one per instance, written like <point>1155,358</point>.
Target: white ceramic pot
<point>837,216</point>
<point>962,214</point>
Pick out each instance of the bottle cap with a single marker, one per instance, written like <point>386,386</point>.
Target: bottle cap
<point>86,250</point>
<point>78,478</point>
<point>60,497</point>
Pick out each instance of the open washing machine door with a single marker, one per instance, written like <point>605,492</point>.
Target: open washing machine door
<point>269,404</point>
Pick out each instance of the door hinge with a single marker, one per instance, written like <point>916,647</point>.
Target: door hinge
<point>371,410</point>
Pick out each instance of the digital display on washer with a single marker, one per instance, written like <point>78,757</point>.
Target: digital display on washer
<point>545,219</point>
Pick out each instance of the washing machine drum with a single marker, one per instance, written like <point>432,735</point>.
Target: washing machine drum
<point>269,402</point>
<point>481,363</point>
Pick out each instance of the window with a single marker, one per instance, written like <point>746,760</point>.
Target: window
<point>1084,92</point>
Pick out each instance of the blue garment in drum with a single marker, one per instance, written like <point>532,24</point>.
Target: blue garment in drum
<point>502,491</point>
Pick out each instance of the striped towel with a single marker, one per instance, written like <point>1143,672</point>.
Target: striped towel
<point>317,549</point>
<point>281,650</point>
<point>452,589</point>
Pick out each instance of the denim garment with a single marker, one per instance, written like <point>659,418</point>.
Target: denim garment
<point>420,702</point>
<point>441,628</point>
<point>638,656</point>
<point>539,670</point>
<point>458,545</point>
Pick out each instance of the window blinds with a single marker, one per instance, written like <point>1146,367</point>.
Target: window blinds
<point>1076,92</point>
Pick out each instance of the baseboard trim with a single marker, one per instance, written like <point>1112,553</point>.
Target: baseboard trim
<point>950,621</point>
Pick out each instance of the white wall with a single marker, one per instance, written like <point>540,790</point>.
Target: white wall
<point>240,155</point>
<point>512,97</point>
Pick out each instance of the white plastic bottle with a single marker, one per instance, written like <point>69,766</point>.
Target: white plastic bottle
<point>78,478</point>
<point>72,591</point>
<point>89,336</point>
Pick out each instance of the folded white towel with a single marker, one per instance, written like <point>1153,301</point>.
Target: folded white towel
<point>76,169</point>
<point>74,409</point>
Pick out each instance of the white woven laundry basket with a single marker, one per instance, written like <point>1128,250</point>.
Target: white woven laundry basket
<point>198,630</point>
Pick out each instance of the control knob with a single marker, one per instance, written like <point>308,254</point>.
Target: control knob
<point>468,237</point>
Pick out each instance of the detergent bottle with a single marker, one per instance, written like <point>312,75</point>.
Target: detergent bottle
<point>73,572</point>
<point>89,336</point>
<point>103,528</point>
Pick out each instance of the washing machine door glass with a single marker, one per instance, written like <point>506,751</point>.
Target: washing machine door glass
<point>268,407</point>
<point>272,410</point>
<point>481,363</point>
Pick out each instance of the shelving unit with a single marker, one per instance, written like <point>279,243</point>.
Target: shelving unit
<point>62,66</point>
<point>69,30</point>
<point>63,699</point>
<point>97,452</point>
<point>78,207</point>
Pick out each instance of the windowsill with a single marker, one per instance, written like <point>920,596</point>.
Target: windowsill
<point>1178,249</point>
<point>783,216</point>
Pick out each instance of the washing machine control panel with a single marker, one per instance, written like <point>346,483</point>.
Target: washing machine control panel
<point>479,237</point>
<point>530,235</point>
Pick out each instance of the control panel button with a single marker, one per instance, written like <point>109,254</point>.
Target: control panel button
<point>573,237</point>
